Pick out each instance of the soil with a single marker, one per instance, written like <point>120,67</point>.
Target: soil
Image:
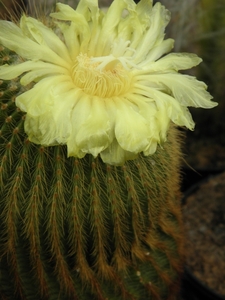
<point>204,218</point>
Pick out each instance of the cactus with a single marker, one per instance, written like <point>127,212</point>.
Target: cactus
<point>81,229</point>
<point>87,226</point>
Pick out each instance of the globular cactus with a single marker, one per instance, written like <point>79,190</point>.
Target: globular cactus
<point>80,227</point>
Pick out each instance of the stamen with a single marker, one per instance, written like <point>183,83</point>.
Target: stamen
<point>104,76</point>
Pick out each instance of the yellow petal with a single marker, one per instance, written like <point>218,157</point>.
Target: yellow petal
<point>151,148</point>
<point>72,39</point>
<point>186,89</point>
<point>137,23</point>
<point>88,8</point>
<point>159,17</point>
<point>115,155</point>
<point>67,13</point>
<point>131,129</point>
<point>44,36</point>
<point>177,61</point>
<point>12,37</point>
<point>41,97</point>
<point>42,70</point>
<point>110,22</point>
<point>169,108</point>
<point>170,62</point>
<point>156,52</point>
<point>114,13</point>
<point>78,23</point>
<point>95,133</point>
<point>30,100</point>
<point>8,72</point>
<point>64,104</point>
<point>49,121</point>
<point>41,129</point>
<point>79,115</point>
<point>143,9</point>
<point>148,109</point>
<point>39,69</point>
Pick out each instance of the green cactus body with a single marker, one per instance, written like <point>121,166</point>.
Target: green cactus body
<point>81,229</point>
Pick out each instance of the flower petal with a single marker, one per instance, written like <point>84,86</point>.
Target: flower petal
<point>45,121</point>
<point>154,36</point>
<point>72,38</point>
<point>116,155</point>
<point>12,37</point>
<point>8,72</point>
<point>40,98</point>
<point>44,36</point>
<point>156,52</point>
<point>78,23</point>
<point>39,69</point>
<point>30,102</point>
<point>114,13</point>
<point>186,89</point>
<point>177,61</point>
<point>79,115</point>
<point>64,104</point>
<point>41,129</point>
<point>171,62</point>
<point>134,24</point>
<point>151,149</point>
<point>147,108</point>
<point>95,134</point>
<point>110,23</point>
<point>169,108</point>
<point>131,129</point>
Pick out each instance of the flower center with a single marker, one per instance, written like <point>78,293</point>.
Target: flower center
<point>101,76</point>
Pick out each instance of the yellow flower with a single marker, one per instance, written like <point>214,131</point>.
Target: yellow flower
<point>102,82</point>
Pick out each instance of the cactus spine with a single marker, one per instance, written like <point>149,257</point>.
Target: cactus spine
<point>80,229</point>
